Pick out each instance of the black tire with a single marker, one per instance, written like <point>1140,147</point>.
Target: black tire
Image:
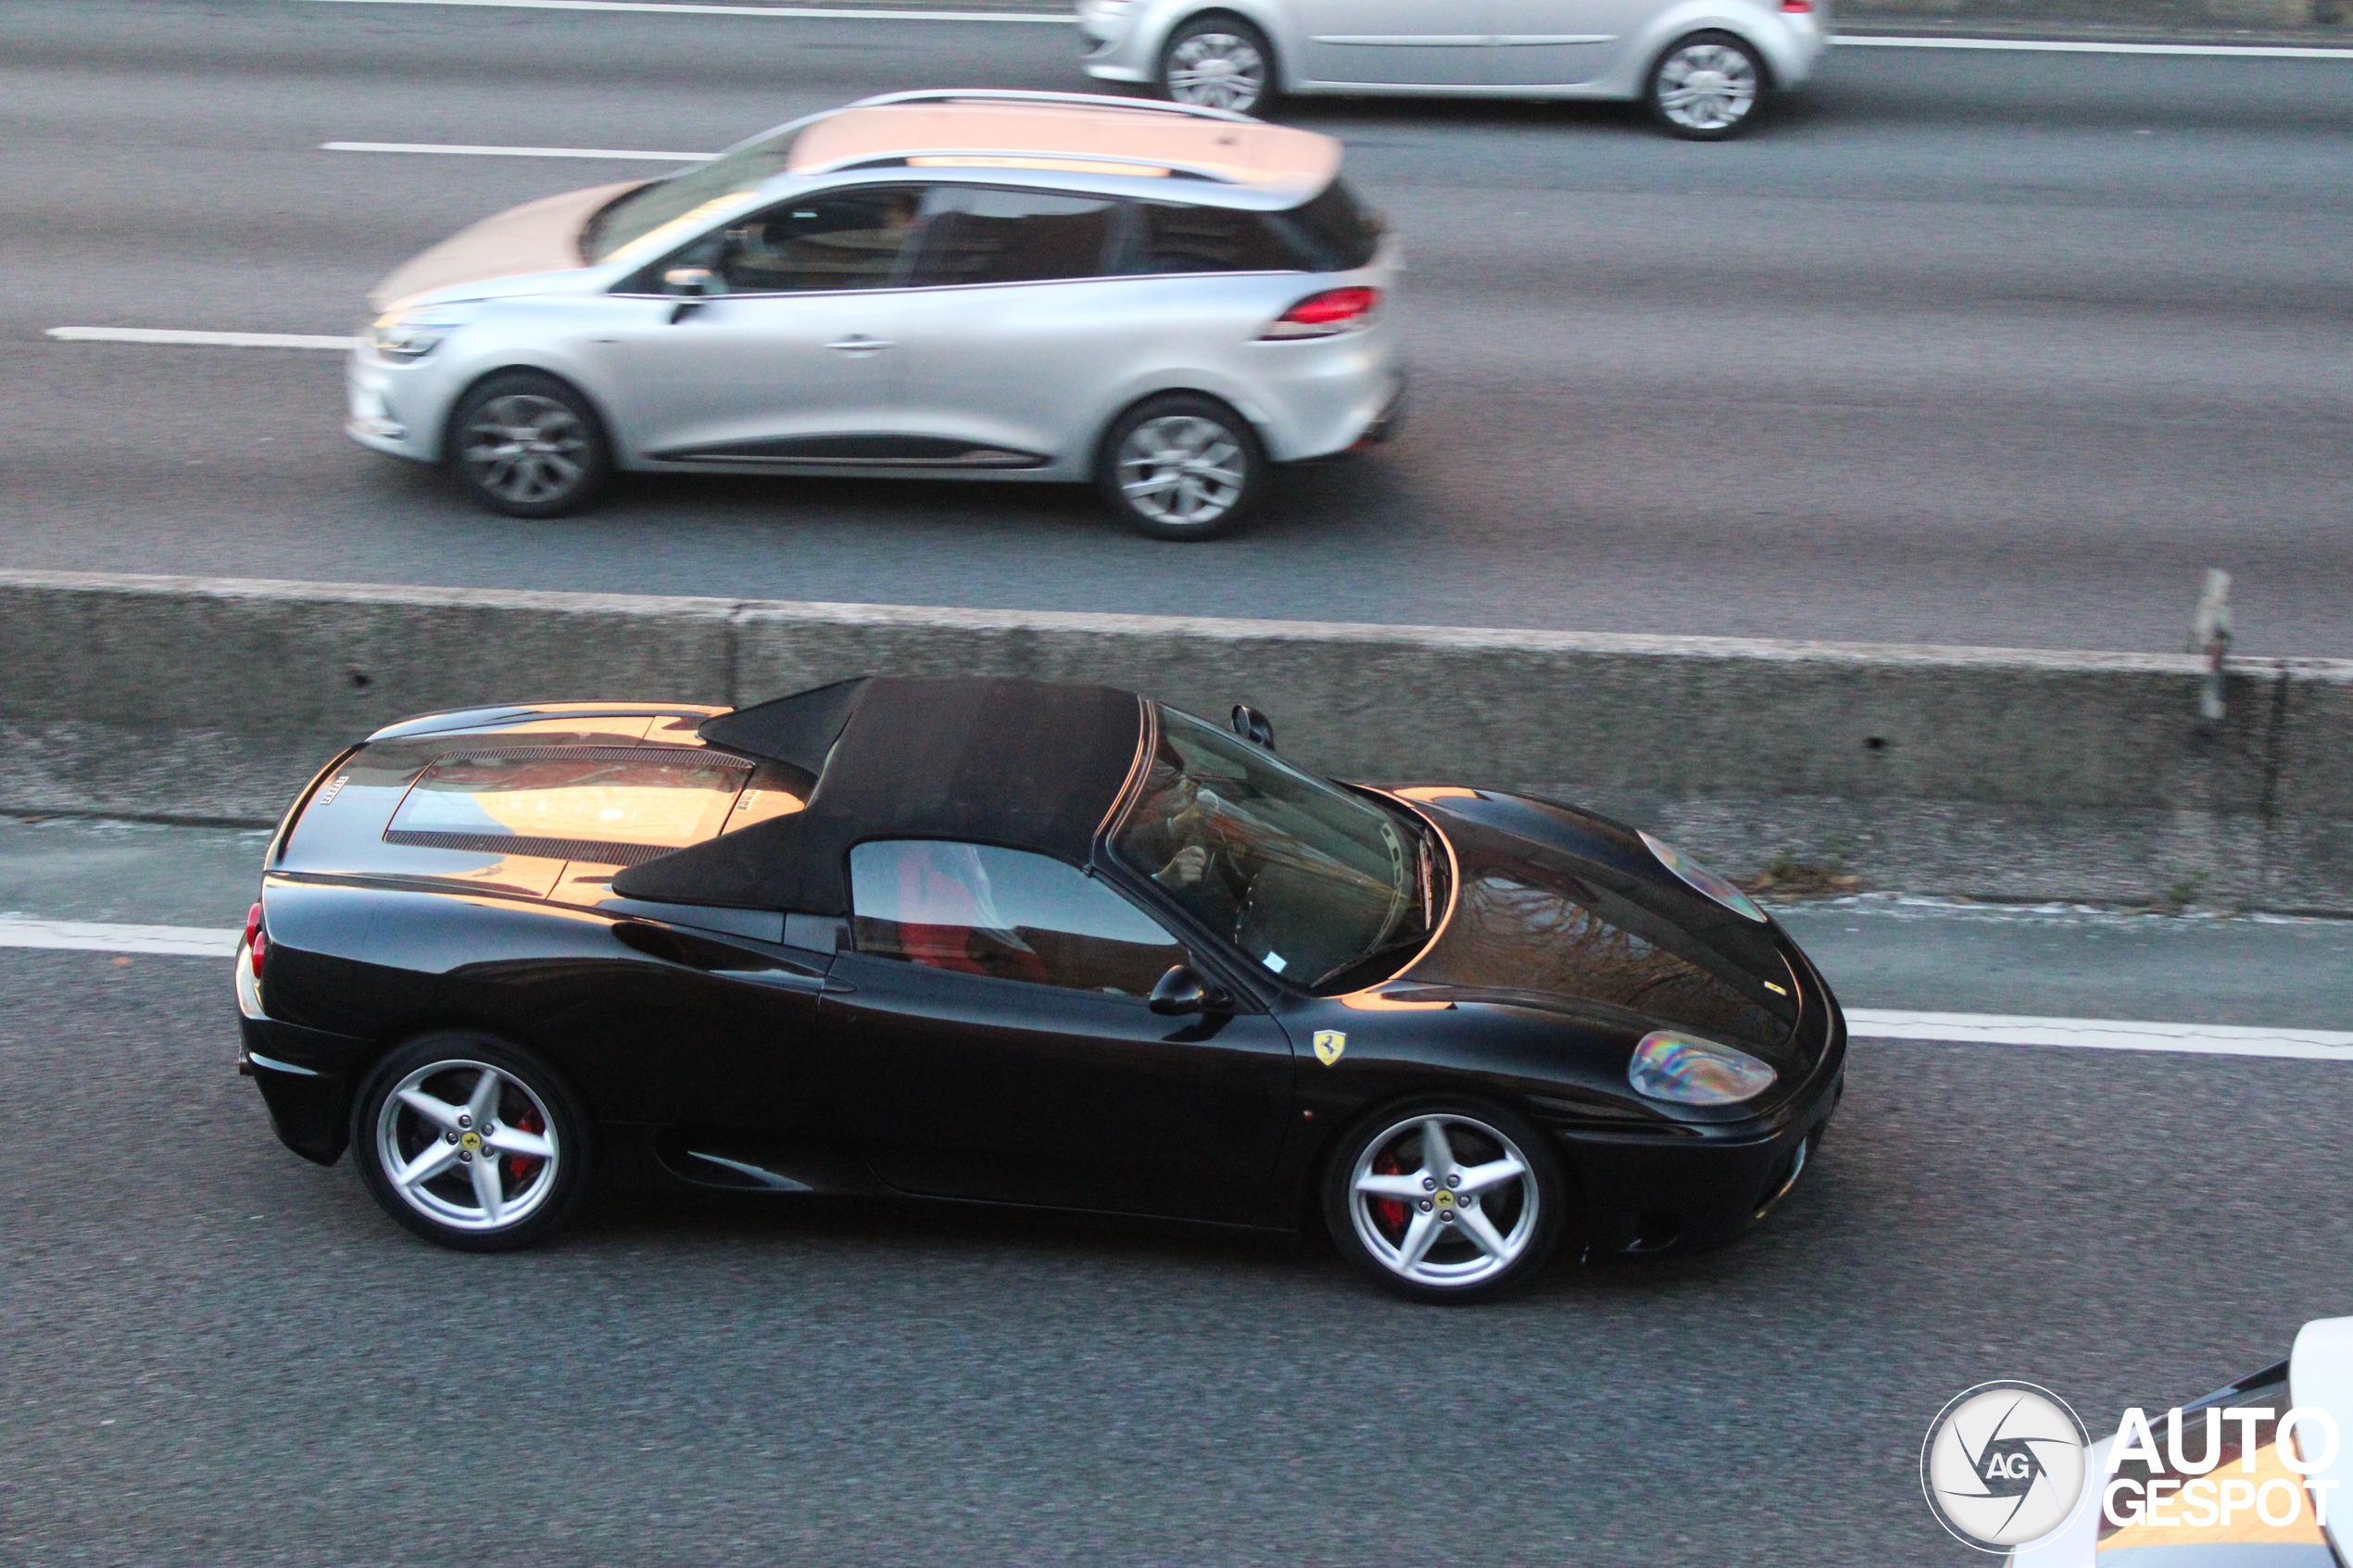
<point>531,1100</point>
<point>1375,1234</point>
<point>1221,62</point>
<point>1725,80</point>
<point>1210,467</point>
<point>528,445</point>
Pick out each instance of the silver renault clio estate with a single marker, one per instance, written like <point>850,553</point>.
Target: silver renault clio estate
<point>1701,66</point>
<point>1163,299</point>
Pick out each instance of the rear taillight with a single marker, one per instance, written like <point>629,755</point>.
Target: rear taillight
<point>1328,314</point>
<point>256,940</point>
<point>1798,8</point>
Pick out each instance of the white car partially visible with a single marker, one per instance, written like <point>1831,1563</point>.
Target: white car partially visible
<point>1702,65</point>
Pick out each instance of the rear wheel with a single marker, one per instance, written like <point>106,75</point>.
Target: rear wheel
<point>1219,62</point>
<point>1444,1199</point>
<point>528,445</point>
<point>1706,87</point>
<point>1181,466</point>
<point>470,1142</point>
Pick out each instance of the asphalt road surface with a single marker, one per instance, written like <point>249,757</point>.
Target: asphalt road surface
<point>216,1353</point>
<point>1956,347</point>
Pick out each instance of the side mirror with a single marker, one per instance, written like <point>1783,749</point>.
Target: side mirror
<point>1253,726</point>
<point>692,285</point>
<point>1181,992</point>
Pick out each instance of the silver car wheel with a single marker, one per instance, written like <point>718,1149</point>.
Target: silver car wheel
<point>1428,1217</point>
<point>525,448</point>
<point>1218,70</point>
<point>1706,86</point>
<point>468,1146</point>
<point>1182,469</point>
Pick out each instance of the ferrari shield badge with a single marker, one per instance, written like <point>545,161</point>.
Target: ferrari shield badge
<point>1329,1043</point>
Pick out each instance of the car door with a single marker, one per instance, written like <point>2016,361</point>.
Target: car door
<point>792,350</point>
<point>1015,331</point>
<point>1558,43</point>
<point>1407,43</point>
<point>989,1038</point>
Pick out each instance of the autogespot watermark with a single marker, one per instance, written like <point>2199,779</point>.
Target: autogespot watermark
<point>2005,1465</point>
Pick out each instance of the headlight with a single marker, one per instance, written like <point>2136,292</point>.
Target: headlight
<point>1690,1071</point>
<point>1705,881</point>
<point>406,335</point>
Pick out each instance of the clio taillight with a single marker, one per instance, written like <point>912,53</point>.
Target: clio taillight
<point>257,940</point>
<point>1328,314</point>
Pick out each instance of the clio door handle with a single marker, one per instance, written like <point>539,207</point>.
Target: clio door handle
<point>858,342</point>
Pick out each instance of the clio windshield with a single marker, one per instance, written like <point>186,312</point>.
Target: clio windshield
<point>1311,881</point>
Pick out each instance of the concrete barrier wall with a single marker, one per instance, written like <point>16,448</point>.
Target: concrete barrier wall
<point>1992,772</point>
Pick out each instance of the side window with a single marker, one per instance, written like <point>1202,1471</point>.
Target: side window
<point>847,239</point>
<point>979,909</point>
<point>982,237</point>
<point>1177,238</point>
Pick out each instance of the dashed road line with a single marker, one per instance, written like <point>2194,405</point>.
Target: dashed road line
<point>2090,46</point>
<point>456,150</point>
<point>180,941</point>
<point>175,337</point>
<point>2099,1034</point>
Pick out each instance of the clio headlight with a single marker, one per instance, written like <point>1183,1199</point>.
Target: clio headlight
<point>407,335</point>
<point>1689,1071</point>
<point>1698,876</point>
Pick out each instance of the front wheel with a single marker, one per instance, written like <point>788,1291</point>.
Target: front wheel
<point>1706,86</point>
<point>1444,1199</point>
<point>528,445</point>
<point>470,1142</point>
<point>1181,466</point>
<point>1219,62</point>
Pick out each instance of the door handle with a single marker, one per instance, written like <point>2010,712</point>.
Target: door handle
<point>858,342</point>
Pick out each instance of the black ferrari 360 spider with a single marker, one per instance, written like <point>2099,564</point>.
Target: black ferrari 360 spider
<point>1011,942</point>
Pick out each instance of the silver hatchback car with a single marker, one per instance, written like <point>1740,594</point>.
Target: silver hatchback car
<point>1701,66</point>
<point>1159,298</point>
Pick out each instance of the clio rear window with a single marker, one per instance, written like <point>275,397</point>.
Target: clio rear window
<point>614,805</point>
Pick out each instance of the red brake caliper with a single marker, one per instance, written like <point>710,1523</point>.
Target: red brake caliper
<point>1390,1210</point>
<point>520,1165</point>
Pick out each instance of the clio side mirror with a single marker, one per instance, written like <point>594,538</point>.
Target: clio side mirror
<point>692,285</point>
<point>1181,992</point>
<point>1253,726</point>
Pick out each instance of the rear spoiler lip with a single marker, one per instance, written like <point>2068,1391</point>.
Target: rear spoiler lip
<point>507,713</point>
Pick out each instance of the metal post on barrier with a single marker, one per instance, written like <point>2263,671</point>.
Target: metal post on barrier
<point>2210,634</point>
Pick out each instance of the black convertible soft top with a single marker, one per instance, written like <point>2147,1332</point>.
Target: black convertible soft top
<point>1027,764</point>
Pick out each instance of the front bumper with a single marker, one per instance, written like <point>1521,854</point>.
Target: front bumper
<point>1114,45</point>
<point>375,393</point>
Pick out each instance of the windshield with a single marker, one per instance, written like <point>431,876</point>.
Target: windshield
<point>665,202</point>
<point>1307,879</point>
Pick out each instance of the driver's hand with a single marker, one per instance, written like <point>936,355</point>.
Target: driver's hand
<point>1186,868</point>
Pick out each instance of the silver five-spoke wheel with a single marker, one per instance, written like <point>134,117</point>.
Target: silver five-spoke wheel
<point>1445,1200</point>
<point>526,448</point>
<point>1704,86</point>
<point>468,1146</point>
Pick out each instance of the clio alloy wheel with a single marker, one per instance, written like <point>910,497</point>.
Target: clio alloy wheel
<point>1181,466</point>
<point>1444,1200</point>
<point>528,445</point>
<point>470,1142</point>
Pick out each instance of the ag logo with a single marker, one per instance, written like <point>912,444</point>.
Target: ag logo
<point>1329,1043</point>
<point>2004,1464</point>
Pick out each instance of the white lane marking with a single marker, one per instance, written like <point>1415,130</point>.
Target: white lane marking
<point>185,941</point>
<point>2072,46</point>
<point>202,340</point>
<point>853,14</point>
<point>512,152</point>
<point>2100,1034</point>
